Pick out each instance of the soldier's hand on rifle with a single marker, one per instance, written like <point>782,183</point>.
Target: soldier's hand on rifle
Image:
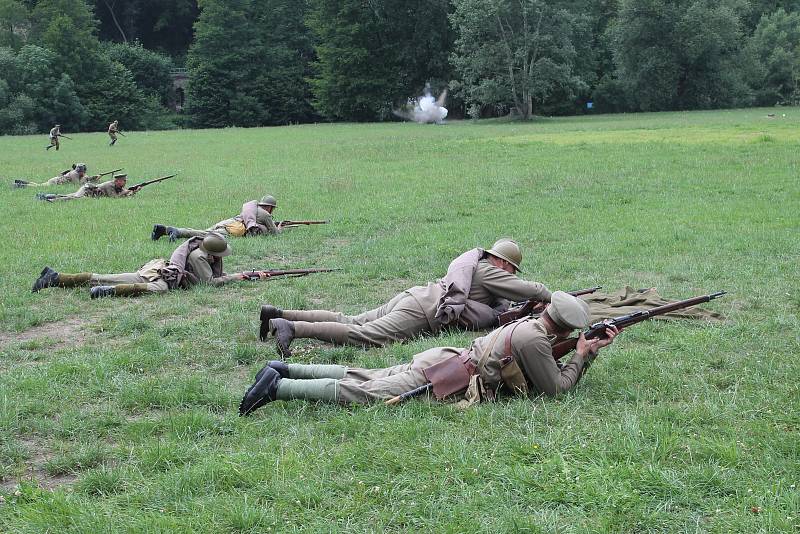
<point>590,347</point>
<point>539,308</point>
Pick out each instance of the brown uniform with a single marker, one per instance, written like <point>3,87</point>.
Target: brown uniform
<point>112,132</point>
<point>526,341</point>
<point>71,177</point>
<point>235,226</point>
<point>413,311</point>
<point>105,189</point>
<point>54,133</point>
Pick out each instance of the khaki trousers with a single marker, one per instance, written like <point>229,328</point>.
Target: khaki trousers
<point>153,286</point>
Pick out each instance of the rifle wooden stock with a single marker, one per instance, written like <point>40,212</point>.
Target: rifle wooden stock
<point>527,307</point>
<point>137,187</point>
<point>598,330</point>
<point>272,273</point>
<point>416,392</point>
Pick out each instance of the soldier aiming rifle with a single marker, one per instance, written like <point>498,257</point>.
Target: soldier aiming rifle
<point>517,358</point>
<point>76,175</point>
<point>113,188</point>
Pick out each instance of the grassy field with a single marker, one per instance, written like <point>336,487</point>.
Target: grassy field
<point>119,415</point>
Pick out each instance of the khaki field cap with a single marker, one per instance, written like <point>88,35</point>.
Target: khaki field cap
<point>507,249</point>
<point>267,200</point>
<point>568,311</point>
<point>120,176</point>
<point>215,245</point>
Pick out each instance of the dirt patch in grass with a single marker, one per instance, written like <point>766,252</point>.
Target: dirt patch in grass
<point>71,331</point>
<point>34,470</point>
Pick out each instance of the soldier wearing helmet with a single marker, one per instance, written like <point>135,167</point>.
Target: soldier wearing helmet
<point>254,219</point>
<point>114,188</point>
<point>516,358</point>
<point>77,175</point>
<point>113,129</point>
<point>475,290</point>
<point>196,261</point>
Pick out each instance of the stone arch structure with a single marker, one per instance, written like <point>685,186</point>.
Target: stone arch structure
<point>180,79</point>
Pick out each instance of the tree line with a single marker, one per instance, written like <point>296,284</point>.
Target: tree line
<point>271,62</point>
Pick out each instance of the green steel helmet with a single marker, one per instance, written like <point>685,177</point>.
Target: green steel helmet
<point>215,245</point>
<point>80,167</point>
<point>507,249</point>
<point>268,200</point>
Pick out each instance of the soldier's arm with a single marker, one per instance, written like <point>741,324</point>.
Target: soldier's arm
<point>505,285</point>
<point>541,369</point>
<point>272,228</point>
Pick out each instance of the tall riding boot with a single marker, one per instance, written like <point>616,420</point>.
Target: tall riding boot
<point>312,316</point>
<point>305,372</point>
<point>321,389</point>
<point>73,280</point>
<point>331,332</point>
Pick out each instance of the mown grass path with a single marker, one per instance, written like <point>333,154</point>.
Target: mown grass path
<point>120,414</point>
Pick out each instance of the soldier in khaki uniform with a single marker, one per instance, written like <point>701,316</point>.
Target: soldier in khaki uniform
<point>522,346</point>
<point>254,219</point>
<point>77,175</point>
<point>487,278</point>
<point>197,261</point>
<point>113,128</point>
<point>55,133</point>
<point>112,188</point>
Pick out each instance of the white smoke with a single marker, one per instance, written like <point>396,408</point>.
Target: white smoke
<point>425,109</point>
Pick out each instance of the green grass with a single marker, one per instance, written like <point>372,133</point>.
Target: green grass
<point>120,414</point>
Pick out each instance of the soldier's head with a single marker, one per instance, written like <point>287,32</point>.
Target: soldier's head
<point>215,245</point>
<point>565,313</point>
<point>120,180</point>
<point>505,254</point>
<point>81,168</point>
<point>267,203</point>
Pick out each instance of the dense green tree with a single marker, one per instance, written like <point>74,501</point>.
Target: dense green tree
<point>14,23</point>
<point>374,55</point>
<point>151,70</point>
<point>224,66</point>
<point>774,51</point>
<point>35,94</point>
<point>516,53</point>
<point>683,54</point>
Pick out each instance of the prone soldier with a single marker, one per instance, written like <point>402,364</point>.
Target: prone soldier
<point>77,175</point>
<point>516,358</point>
<point>254,219</point>
<point>470,296</point>
<point>196,261</point>
<point>112,188</point>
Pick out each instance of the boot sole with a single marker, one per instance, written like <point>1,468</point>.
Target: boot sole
<point>265,315</point>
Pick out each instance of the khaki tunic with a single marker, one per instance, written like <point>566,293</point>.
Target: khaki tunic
<point>105,189</point>
<point>233,226</point>
<point>413,311</point>
<point>200,263</point>
<point>530,348</point>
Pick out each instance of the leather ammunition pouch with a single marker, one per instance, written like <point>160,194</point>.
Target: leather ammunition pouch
<point>510,372</point>
<point>451,375</point>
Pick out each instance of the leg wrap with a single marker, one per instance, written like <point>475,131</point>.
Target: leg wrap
<point>73,280</point>
<point>130,290</point>
<point>305,372</point>
<point>312,316</point>
<point>330,332</point>
<point>322,389</point>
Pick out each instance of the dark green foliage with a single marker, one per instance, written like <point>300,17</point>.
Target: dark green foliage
<point>151,70</point>
<point>370,59</point>
<point>517,54</point>
<point>679,55</point>
<point>33,95</point>
<point>13,20</point>
<point>774,50</point>
<point>247,65</point>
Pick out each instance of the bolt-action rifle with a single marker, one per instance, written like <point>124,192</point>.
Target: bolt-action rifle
<point>289,224</point>
<point>64,136</point>
<point>272,273</point>
<point>104,173</point>
<point>522,309</point>
<point>597,330</point>
<point>137,187</point>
